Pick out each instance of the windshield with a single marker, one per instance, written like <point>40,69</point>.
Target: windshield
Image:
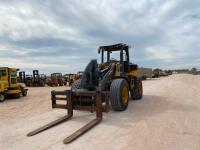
<point>66,75</point>
<point>115,55</point>
<point>13,73</point>
<point>2,72</point>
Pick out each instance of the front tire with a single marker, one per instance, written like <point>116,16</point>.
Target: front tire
<point>2,97</point>
<point>24,92</point>
<point>119,94</point>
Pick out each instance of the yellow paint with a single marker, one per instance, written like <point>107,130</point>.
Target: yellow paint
<point>7,75</point>
<point>2,86</point>
<point>117,70</point>
<point>18,91</point>
<point>125,94</point>
<point>132,73</point>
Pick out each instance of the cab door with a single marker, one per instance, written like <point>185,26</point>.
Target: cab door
<point>12,77</point>
<point>3,80</point>
<point>4,75</point>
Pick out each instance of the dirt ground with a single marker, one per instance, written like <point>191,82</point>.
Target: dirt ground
<point>167,118</point>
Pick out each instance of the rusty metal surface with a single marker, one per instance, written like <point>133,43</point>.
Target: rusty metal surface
<point>81,131</point>
<point>49,125</point>
<point>61,106</point>
<point>89,125</point>
<point>59,92</point>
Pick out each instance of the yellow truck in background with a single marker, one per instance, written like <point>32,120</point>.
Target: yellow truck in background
<point>9,86</point>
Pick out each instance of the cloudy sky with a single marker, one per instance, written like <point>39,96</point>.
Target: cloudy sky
<point>63,35</point>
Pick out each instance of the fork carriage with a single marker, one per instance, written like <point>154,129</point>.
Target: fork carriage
<point>93,101</point>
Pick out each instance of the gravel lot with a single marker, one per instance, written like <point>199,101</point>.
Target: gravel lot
<point>167,118</point>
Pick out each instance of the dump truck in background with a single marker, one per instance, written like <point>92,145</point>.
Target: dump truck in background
<point>144,73</point>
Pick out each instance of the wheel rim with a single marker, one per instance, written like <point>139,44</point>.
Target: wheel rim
<point>2,97</point>
<point>125,94</point>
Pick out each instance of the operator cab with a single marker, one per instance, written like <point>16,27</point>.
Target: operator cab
<point>123,49</point>
<point>109,68</point>
<point>9,75</point>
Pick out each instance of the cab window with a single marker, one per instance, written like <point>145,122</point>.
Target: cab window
<point>2,72</point>
<point>13,73</point>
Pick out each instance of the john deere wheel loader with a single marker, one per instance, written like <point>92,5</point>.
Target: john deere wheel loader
<point>101,87</point>
<point>8,84</point>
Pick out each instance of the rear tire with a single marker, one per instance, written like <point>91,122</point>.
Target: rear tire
<point>2,97</point>
<point>119,94</point>
<point>137,93</point>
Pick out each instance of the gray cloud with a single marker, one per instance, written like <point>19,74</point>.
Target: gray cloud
<point>65,35</point>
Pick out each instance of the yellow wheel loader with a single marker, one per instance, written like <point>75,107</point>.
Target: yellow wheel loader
<point>101,87</point>
<point>8,84</point>
<point>70,78</point>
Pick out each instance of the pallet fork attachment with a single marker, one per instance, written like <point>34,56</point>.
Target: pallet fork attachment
<point>77,100</point>
<point>49,125</point>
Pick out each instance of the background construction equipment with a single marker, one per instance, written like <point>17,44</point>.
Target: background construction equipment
<point>8,84</point>
<point>56,80</point>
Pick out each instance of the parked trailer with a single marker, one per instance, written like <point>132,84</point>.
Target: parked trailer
<point>145,73</point>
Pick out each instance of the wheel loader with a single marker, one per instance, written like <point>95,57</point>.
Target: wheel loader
<point>8,84</point>
<point>56,80</point>
<point>102,87</point>
<point>70,78</point>
<point>79,74</point>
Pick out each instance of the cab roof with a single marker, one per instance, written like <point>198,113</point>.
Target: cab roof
<point>9,68</point>
<point>115,47</point>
